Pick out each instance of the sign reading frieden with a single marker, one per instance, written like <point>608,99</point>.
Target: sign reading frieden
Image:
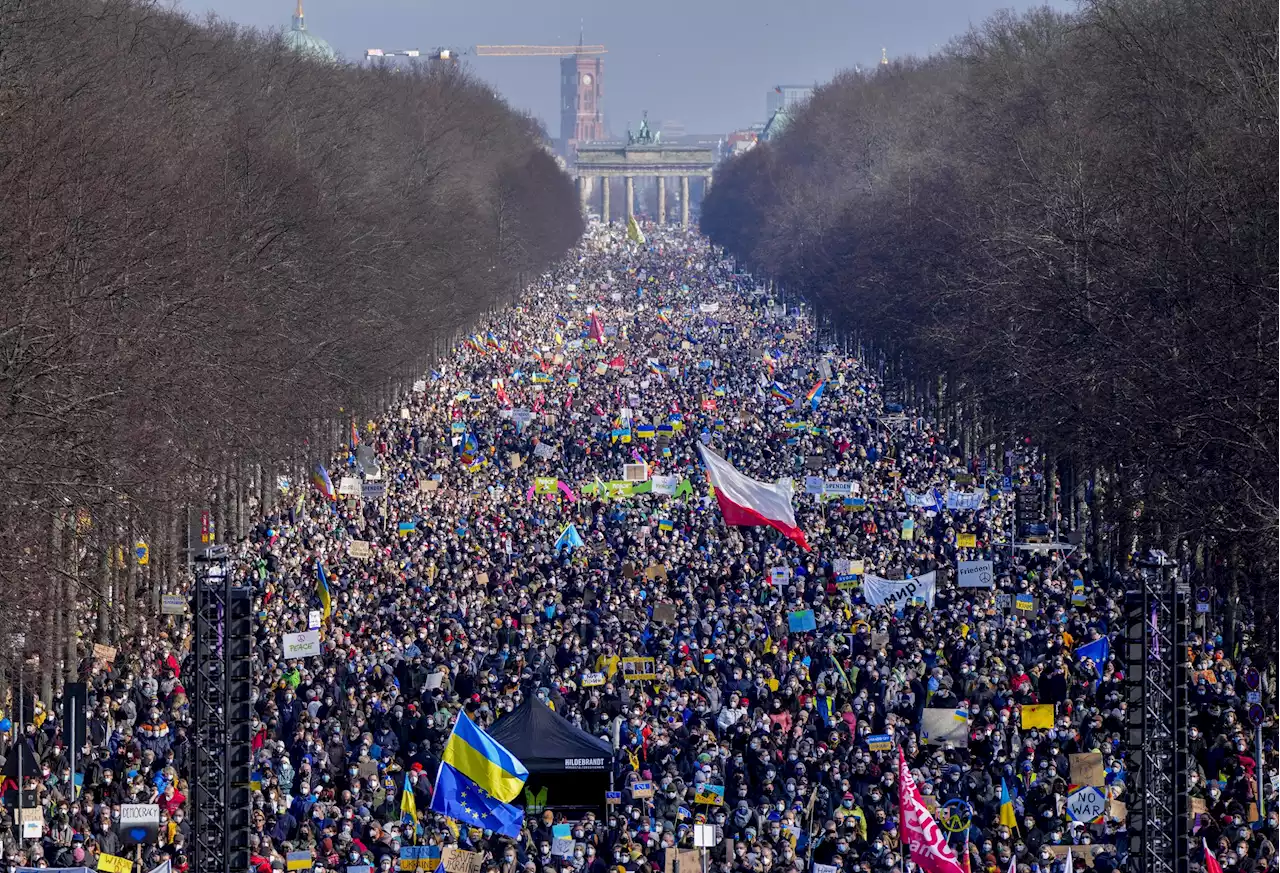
<point>302,645</point>
<point>975,574</point>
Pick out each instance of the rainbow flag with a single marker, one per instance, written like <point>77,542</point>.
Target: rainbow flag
<point>322,591</point>
<point>320,478</point>
<point>815,393</point>
<point>779,393</point>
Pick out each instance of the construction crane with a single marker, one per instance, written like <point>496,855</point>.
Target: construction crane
<point>536,51</point>
<point>488,51</point>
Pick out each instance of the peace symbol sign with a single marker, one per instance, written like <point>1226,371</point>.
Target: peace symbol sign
<point>955,815</point>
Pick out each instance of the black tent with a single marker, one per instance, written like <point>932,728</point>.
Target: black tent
<point>568,768</point>
<point>546,743</point>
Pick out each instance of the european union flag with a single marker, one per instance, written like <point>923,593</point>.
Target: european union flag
<point>1097,651</point>
<point>459,798</point>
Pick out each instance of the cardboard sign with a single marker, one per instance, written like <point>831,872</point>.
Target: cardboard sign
<point>1087,769</point>
<point>1082,854</point>
<point>103,653</point>
<point>32,821</point>
<point>349,486</point>
<point>942,725</point>
<point>879,742</point>
<point>642,790</point>
<point>173,604</point>
<point>966,541</point>
<point>879,641</point>
<point>612,798</point>
<point>139,823</point>
<point>635,472</point>
<point>975,574</point>
<point>455,860</point>
<point>639,669</point>
<point>592,680</point>
<point>1086,804</point>
<point>656,571</point>
<point>664,613</point>
<point>302,645</point>
<point>359,549</point>
<point>114,864</point>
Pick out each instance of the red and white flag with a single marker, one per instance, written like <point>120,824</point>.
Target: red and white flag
<point>1210,863</point>
<point>929,849</point>
<point>748,502</point>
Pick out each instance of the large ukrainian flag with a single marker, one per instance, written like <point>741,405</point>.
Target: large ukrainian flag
<point>476,755</point>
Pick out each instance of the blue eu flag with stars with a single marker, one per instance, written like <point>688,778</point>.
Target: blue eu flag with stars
<point>460,799</point>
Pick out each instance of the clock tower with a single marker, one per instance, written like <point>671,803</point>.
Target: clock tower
<point>581,110</point>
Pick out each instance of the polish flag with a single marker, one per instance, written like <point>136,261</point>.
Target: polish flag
<point>929,849</point>
<point>748,502</point>
<point>1210,863</point>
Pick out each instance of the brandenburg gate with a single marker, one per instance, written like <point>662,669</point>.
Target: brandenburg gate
<point>645,157</point>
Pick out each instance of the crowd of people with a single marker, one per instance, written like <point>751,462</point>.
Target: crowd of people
<point>463,592</point>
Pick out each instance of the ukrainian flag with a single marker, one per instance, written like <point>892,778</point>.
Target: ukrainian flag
<point>408,804</point>
<point>322,591</point>
<point>1008,817</point>
<point>666,524</point>
<point>476,755</point>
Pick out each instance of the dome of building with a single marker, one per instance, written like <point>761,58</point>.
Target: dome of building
<point>304,42</point>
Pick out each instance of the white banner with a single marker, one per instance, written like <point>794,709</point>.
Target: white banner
<point>302,645</point>
<point>666,485</point>
<point>896,593</point>
<point>960,500</point>
<point>976,574</point>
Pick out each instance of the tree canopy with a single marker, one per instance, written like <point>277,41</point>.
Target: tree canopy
<point>1072,219</point>
<point>215,254</point>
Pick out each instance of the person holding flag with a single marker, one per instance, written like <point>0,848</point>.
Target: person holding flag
<point>322,591</point>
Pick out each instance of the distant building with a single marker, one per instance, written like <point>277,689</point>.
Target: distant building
<point>581,102</point>
<point>304,42</point>
<point>788,97</point>
<point>740,141</point>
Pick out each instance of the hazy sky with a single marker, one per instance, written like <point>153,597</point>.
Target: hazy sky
<point>705,63</point>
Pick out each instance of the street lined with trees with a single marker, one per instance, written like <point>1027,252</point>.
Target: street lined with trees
<point>1062,230</point>
<point>217,255</point>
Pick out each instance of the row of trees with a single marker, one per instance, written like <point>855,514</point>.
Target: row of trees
<point>215,255</point>
<point>1063,227</point>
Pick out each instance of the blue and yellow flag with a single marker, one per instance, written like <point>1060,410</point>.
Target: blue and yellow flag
<point>322,591</point>
<point>408,804</point>
<point>1008,817</point>
<point>477,756</point>
<point>460,799</point>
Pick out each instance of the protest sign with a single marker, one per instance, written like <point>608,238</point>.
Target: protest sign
<point>975,574</point>
<point>896,594</point>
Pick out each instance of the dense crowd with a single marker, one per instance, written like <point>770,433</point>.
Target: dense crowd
<point>464,600</point>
